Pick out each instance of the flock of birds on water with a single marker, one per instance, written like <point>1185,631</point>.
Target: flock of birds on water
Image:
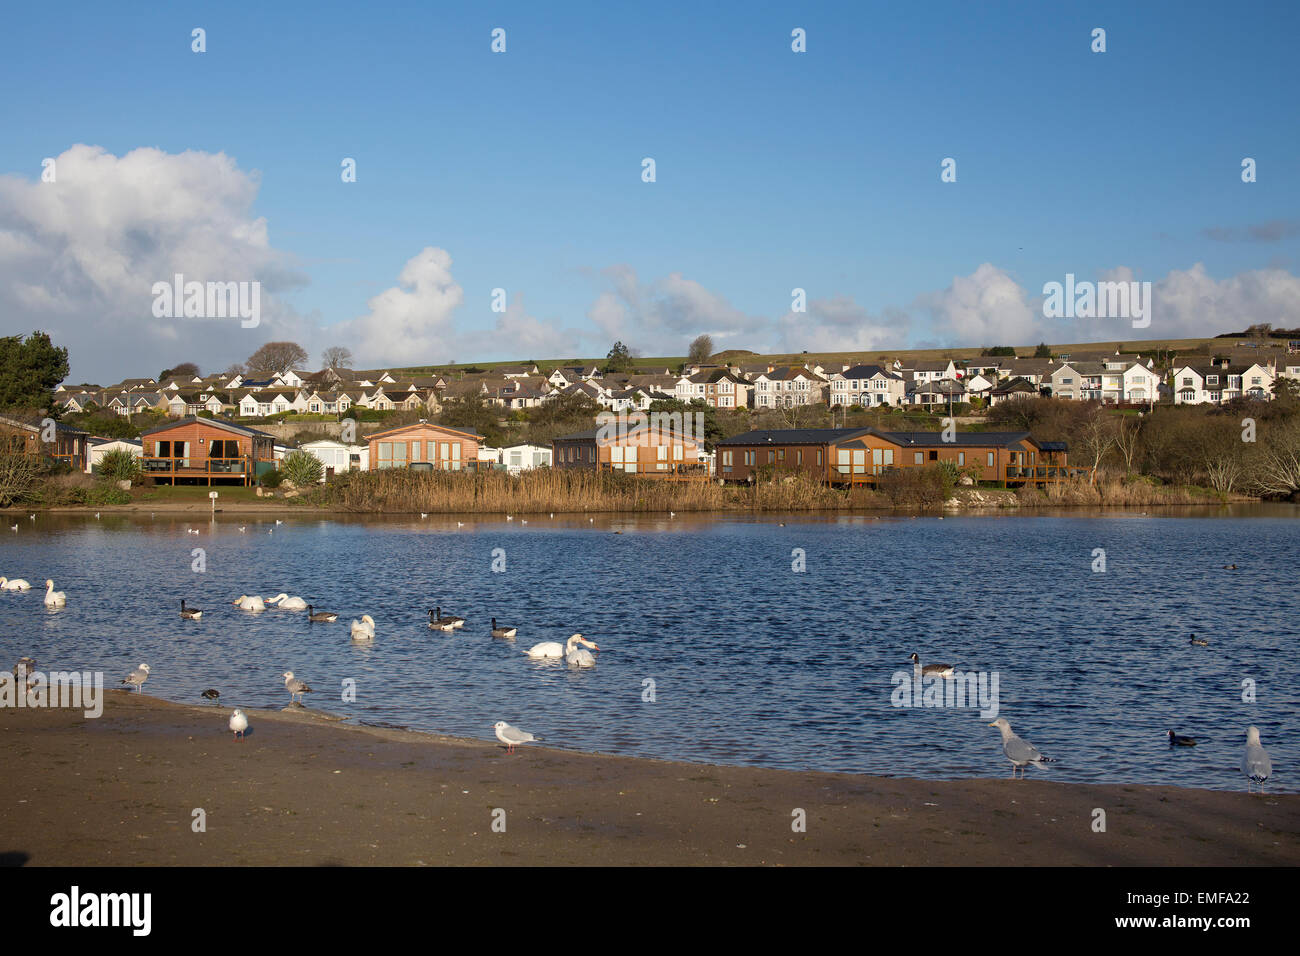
<point>1255,764</point>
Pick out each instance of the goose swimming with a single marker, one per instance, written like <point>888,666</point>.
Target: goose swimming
<point>249,603</point>
<point>1255,764</point>
<point>54,598</point>
<point>190,613</point>
<point>946,671</point>
<point>364,629</point>
<point>295,687</point>
<point>286,603</point>
<point>1020,752</point>
<point>1197,641</point>
<point>503,631</point>
<point>440,623</point>
<point>327,617</point>
<point>1178,740</point>
<point>14,584</point>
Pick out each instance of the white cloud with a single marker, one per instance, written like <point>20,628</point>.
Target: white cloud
<point>662,317</point>
<point>519,335</point>
<point>409,323</point>
<point>79,257</point>
<point>987,307</point>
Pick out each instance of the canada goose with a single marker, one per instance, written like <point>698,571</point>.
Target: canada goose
<point>1178,740</point>
<point>1020,752</point>
<point>1255,764</point>
<point>503,631</point>
<point>945,671</point>
<point>211,694</point>
<point>190,613</point>
<point>1197,641</point>
<point>249,603</point>
<point>327,617</point>
<point>364,629</point>
<point>238,723</point>
<point>14,584</point>
<point>54,598</point>
<point>286,603</point>
<point>440,623</point>
<point>137,677</point>
<point>295,687</point>
<point>1230,567</point>
<point>512,736</point>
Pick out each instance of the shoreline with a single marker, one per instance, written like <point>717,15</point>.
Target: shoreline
<point>307,789</point>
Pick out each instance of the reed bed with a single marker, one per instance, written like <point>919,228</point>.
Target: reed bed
<point>571,490</point>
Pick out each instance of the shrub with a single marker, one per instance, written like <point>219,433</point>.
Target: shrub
<point>120,465</point>
<point>271,479</point>
<point>302,468</point>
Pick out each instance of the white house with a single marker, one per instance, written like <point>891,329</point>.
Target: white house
<point>788,387</point>
<point>338,457</point>
<point>867,385</point>
<point>519,458</point>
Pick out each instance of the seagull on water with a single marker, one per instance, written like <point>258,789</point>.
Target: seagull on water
<point>512,736</point>
<point>238,723</point>
<point>137,676</point>
<point>295,687</point>
<point>1255,764</point>
<point>1020,752</point>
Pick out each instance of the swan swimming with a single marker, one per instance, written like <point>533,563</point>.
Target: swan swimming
<point>54,598</point>
<point>555,649</point>
<point>286,603</point>
<point>364,629</point>
<point>247,603</point>
<point>580,657</point>
<point>14,584</point>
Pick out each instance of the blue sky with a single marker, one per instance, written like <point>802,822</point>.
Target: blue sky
<point>775,170</point>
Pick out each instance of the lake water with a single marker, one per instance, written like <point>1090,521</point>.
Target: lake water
<point>751,661</point>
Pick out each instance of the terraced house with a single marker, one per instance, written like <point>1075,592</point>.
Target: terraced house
<point>867,385</point>
<point>718,387</point>
<point>789,388</point>
<point>1216,384</point>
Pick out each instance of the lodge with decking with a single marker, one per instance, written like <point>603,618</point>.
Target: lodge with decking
<point>34,435</point>
<point>206,451</point>
<point>850,456</point>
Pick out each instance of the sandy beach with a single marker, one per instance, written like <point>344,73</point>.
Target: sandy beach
<point>304,790</point>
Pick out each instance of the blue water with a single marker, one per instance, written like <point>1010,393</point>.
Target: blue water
<point>751,662</point>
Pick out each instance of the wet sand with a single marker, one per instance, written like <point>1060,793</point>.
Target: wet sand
<point>301,790</point>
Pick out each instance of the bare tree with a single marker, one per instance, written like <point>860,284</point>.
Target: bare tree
<point>1276,468</point>
<point>1128,439</point>
<point>701,349</point>
<point>1096,437</point>
<point>19,474</point>
<point>1217,447</point>
<point>275,357</point>
<point>337,357</point>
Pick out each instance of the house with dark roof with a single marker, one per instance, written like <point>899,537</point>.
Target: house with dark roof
<point>35,435</point>
<point>659,447</point>
<point>206,451</point>
<point>863,455</point>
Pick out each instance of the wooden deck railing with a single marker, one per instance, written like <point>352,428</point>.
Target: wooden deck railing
<point>196,465</point>
<point>672,471</point>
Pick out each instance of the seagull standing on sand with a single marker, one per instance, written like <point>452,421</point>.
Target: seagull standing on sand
<point>295,687</point>
<point>238,724</point>
<point>512,736</point>
<point>1255,764</point>
<point>137,676</point>
<point>1020,752</point>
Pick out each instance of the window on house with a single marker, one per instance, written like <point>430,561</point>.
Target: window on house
<point>918,458</point>
<point>934,456</point>
<point>961,458</point>
<point>990,459</point>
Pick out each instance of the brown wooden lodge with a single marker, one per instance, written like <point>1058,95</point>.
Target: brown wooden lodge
<point>849,456</point>
<point>27,435</point>
<point>208,451</point>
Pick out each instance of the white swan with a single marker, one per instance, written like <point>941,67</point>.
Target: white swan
<point>556,649</point>
<point>364,629</point>
<point>286,603</point>
<point>54,598</point>
<point>14,584</point>
<point>579,657</point>
<point>247,603</point>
